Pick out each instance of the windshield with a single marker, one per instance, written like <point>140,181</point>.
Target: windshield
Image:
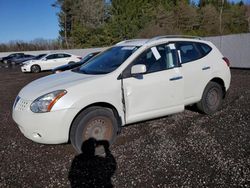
<point>86,58</point>
<point>107,61</point>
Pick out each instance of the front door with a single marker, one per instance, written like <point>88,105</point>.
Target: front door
<point>50,62</point>
<point>157,92</point>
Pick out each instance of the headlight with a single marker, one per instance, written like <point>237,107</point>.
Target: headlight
<point>47,101</point>
<point>58,71</point>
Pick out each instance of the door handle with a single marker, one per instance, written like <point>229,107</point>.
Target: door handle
<point>205,68</point>
<point>176,78</point>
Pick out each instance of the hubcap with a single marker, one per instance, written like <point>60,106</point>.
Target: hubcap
<point>213,98</point>
<point>99,128</point>
<point>35,69</point>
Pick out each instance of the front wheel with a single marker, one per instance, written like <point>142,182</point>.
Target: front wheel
<point>95,122</point>
<point>35,69</point>
<point>211,98</point>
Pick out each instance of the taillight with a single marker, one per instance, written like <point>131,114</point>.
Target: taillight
<point>227,61</point>
<point>79,57</point>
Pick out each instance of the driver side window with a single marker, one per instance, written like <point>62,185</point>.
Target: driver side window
<point>52,56</point>
<point>156,59</point>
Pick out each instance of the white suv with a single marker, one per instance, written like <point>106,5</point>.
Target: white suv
<point>133,81</point>
<point>49,61</point>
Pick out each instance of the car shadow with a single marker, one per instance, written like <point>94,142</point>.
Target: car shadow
<point>193,108</point>
<point>89,169</point>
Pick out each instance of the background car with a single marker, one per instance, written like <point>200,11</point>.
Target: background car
<point>74,65</point>
<point>40,56</point>
<point>19,59</point>
<point>8,58</point>
<point>49,61</point>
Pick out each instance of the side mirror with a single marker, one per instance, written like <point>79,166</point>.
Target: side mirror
<point>138,69</point>
<point>44,59</point>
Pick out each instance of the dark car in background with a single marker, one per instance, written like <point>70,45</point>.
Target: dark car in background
<point>40,56</point>
<point>74,65</point>
<point>19,59</point>
<point>8,58</point>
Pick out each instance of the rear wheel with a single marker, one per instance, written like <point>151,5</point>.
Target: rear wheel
<point>35,68</point>
<point>211,98</point>
<point>95,122</point>
<point>71,62</point>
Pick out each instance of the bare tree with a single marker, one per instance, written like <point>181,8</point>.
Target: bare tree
<point>220,16</point>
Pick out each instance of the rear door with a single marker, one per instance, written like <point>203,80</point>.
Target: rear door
<point>66,58</point>
<point>62,59</point>
<point>195,69</point>
<point>157,92</point>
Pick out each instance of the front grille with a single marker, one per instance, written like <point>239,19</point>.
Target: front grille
<point>22,105</point>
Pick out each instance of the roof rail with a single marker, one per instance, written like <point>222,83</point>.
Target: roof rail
<point>129,40</point>
<point>174,36</point>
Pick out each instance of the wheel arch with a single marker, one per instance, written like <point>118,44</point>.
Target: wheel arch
<point>36,65</point>
<point>221,83</point>
<point>103,105</point>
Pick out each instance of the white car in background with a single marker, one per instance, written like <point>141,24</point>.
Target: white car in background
<point>133,81</point>
<point>49,61</point>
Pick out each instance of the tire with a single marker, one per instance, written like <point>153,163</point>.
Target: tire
<point>95,122</point>
<point>71,62</point>
<point>211,98</point>
<point>35,68</point>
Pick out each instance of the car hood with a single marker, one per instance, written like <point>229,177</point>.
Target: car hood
<point>31,61</point>
<point>54,82</point>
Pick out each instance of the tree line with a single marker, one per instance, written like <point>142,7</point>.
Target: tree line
<point>87,23</point>
<point>34,45</point>
<point>92,23</point>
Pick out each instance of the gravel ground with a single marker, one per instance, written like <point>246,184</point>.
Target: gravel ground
<point>182,150</point>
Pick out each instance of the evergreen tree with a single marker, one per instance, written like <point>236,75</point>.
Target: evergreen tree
<point>128,17</point>
<point>186,18</point>
<point>235,20</point>
<point>88,23</point>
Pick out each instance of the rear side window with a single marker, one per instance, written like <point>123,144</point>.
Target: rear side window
<point>188,51</point>
<point>60,56</point>
<point>204,48</point>
<point>66,55</point>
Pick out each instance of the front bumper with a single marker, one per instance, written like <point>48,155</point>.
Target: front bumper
<point>47,128</point>
<point>25,68</point>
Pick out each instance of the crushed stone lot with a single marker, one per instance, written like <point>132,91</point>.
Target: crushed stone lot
<point>182,150</point>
